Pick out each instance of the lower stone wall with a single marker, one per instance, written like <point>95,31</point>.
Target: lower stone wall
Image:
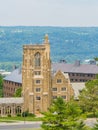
<point>11,106</point>
<point>10,109</point>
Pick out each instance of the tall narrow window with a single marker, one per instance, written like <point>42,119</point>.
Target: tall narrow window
<point>37,59</point>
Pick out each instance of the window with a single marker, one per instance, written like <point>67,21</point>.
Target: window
<point>54,97</point>
<point>37,73</point>
<point>77,74</point>
<point>63,89</point>
<point>54,89</point>
<point>73,74</point>
<point>38,98</point>
<point>18,110</point>
<point>37,59</point>
<point>59,80</point>
<point>72,79</point>
<point>38,89</point>
<point>64,97</point>
<point>37,81</point>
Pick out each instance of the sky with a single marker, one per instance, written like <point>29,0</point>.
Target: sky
<point>49,13</point>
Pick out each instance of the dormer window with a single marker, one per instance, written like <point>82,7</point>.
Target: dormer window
<point>37,59</point>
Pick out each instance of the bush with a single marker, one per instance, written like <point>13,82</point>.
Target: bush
<point>9,115</point>
<point>90,115</point>
<point>25,114</point>
<point>31,115</point>
<point>19,115</point>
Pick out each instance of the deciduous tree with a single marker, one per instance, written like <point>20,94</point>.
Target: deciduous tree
<point>88,98</point>
<point>18,92</point>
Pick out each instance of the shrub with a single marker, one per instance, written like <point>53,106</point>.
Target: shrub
<point>90,115</point>
<point>9,115</point>
<point>25,114</point>
<point>31,115</point>
<point>19,115</point>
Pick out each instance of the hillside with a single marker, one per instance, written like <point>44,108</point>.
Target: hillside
<point>70,43</point>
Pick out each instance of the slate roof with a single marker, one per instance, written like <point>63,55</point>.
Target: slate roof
<point>15,76</point>
<point>77,87</point>
<point>72,68</point>
<point>11,100</point>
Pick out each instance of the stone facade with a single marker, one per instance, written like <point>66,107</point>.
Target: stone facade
<point>37,80</point>
<point>40,85</point>
<point>36,77</point>
<point>11,106</point>
<point>61,86</point>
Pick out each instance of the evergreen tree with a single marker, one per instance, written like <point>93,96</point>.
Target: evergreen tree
<point>63,116</point>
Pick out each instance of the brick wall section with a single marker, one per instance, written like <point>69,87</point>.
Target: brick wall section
<point>10,87</point>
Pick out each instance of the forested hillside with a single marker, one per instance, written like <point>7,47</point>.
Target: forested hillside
<point>69,43</point>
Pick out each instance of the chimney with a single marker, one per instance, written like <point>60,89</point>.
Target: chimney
<point>19,70</point>
<point>14,67</point>
<point>77,63</point>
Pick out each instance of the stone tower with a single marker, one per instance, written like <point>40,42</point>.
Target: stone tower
<point>36,77</point>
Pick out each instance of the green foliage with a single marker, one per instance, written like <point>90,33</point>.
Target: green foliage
<point>96,76</point>
<point>18,92</point>
<point>1,81</point>
<point>88,99</point>
<point>96,58</point>
<point>63,116</point>
<point>1,86</point>
<point>31,115</point>
<point>8,66</point>
<point>18,114</point>
<point>96,126</point>
<point>13,38</point>
<point>9,115</point>
<point>25,114</point>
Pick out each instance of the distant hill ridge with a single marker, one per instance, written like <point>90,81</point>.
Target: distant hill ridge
<point>69,43</point>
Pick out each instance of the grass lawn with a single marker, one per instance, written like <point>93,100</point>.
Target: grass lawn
<point>13,119</point>
<point>30,129</point>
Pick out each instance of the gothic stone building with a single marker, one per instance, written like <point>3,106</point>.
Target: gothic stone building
<point>39,85</point>
<point>43,81</point>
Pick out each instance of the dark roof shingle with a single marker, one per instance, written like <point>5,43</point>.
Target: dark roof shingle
<point>72,68</point>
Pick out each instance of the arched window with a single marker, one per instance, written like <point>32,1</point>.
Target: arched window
<point>8,110</point>
<point>18,110</point>
<point>37,59</point>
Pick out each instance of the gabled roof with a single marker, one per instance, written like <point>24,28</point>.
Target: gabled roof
<point>60,72</point>
<point>15,76</point>
<point>72,68</point>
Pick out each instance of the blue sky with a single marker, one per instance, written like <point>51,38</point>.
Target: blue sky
<point>49,12</point>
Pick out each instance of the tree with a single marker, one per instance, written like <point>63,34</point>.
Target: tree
<point>88,98</point>
<point>96,58</point>
<point>18,92</point>
<point>63,116</point>
<point>1,86</point>
<point>96,126</point>
<point>1,81</point>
